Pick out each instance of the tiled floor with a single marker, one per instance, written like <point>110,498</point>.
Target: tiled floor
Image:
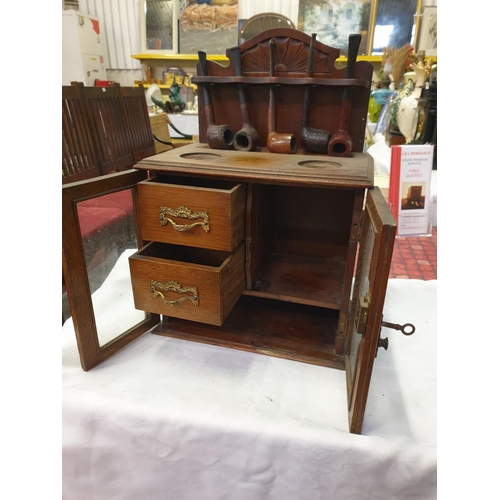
<point>415,257</point>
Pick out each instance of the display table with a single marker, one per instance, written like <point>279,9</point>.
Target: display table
<point>186,123</point>
<point>170,419</point>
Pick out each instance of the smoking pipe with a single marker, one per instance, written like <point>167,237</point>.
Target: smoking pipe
<point>247,138</point>
<point>313,140</point>
<point>340,143</point>
<point>276,143</point>
<point>218,136</point>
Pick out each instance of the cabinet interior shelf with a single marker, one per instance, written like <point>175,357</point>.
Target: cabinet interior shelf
<point>283,279</point>
<point>270,327</point>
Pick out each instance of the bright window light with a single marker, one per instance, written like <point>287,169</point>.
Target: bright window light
<point>382,35</point>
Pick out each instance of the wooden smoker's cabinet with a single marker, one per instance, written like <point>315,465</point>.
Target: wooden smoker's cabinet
<point>278,254</point>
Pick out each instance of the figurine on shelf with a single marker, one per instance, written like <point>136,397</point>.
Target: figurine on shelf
<point>175,103</point>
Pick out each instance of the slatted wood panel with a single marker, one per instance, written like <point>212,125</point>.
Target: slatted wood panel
<point>135,113</point>
<point>110,127</point>
<point>79,159</point>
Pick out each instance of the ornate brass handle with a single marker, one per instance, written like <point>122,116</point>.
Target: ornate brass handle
<point>173,286</point>
<point>185,213</point>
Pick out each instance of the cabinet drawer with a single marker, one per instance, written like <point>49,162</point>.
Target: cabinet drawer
<point>189,283</point>
<point>199,213</point>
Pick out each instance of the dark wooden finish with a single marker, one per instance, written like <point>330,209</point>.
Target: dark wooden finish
<point>104,105</point>
<point>75,271</point>
<point>313,140</point>
<point>301,279</point>
<point>372,273</point>
<point>259,229</point>
<point>282,143</point>
<point>340,144</point>
<point>137,123</point>
<point>79,157</point>
<point>246,138</point>
<point>222,202</point>
<point>292,49</point>
<point>217,136</point>
<point>298,254</point>
<point>296,229</point>
<point>105,129</point>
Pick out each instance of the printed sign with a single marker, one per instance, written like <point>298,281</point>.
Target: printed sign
<point>410,188</point>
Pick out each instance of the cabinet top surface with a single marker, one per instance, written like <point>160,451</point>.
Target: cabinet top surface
<point>262,166</point>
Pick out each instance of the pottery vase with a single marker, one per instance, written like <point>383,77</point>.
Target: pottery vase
<point>406,112</point>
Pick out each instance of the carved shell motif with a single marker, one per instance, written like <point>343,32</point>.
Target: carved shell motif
<point>290,57</point>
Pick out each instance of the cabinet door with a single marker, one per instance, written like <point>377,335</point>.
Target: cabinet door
<point>365,313</point>
<point>99,222</point>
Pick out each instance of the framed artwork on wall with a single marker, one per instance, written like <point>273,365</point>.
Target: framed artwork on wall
<point>210,25</point>
<point>428,32</point>
<point>158,20</point>
<point>381,23</point>
<point>395,24</point>
<point>334,20</point>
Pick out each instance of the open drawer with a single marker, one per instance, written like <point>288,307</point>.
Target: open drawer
<point>201,213</point>
<point>189,283</point>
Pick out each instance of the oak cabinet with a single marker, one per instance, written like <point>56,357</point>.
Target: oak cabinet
<point>285,255</point>
<point>298,270</point>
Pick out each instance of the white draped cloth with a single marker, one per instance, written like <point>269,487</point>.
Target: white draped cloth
<point>172,419</point>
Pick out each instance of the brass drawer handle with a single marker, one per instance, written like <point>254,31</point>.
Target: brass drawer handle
<point>173,286</point>
<point>185,213</point>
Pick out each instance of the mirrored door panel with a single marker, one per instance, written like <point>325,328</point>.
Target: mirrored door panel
<point>108,232</point>
<point>378,232</point>
<point>159,20</point>
<point>99,235</point>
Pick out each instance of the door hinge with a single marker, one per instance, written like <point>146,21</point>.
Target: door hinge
<point>356,226</point>
<point>248,249</point>
<point>362,314</point>
<point>343,321</point>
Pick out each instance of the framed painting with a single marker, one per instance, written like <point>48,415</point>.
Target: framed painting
<point>210,24</point>
<point>381,23</point>
<point>395,24</point>
<point>428,32</point>
<point>158,20</point>
<point>334,20</point>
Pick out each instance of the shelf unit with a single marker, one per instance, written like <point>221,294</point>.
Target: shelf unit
<point>221,58</point>
<point>188,61</point>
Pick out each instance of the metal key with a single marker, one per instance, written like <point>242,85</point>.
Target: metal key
<point>406,329</point>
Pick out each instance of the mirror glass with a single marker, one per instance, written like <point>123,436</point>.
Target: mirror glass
<point>108,231</point>
<point>394,24</point>
<point>362,274</point>
<point>159,25</point>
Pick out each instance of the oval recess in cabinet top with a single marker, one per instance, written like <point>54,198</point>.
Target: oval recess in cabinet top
<point>200,156</point>
<point>319,164</point>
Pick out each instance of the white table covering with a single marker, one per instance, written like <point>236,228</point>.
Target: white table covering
<point>185,123</point>
<point>171,419</point>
